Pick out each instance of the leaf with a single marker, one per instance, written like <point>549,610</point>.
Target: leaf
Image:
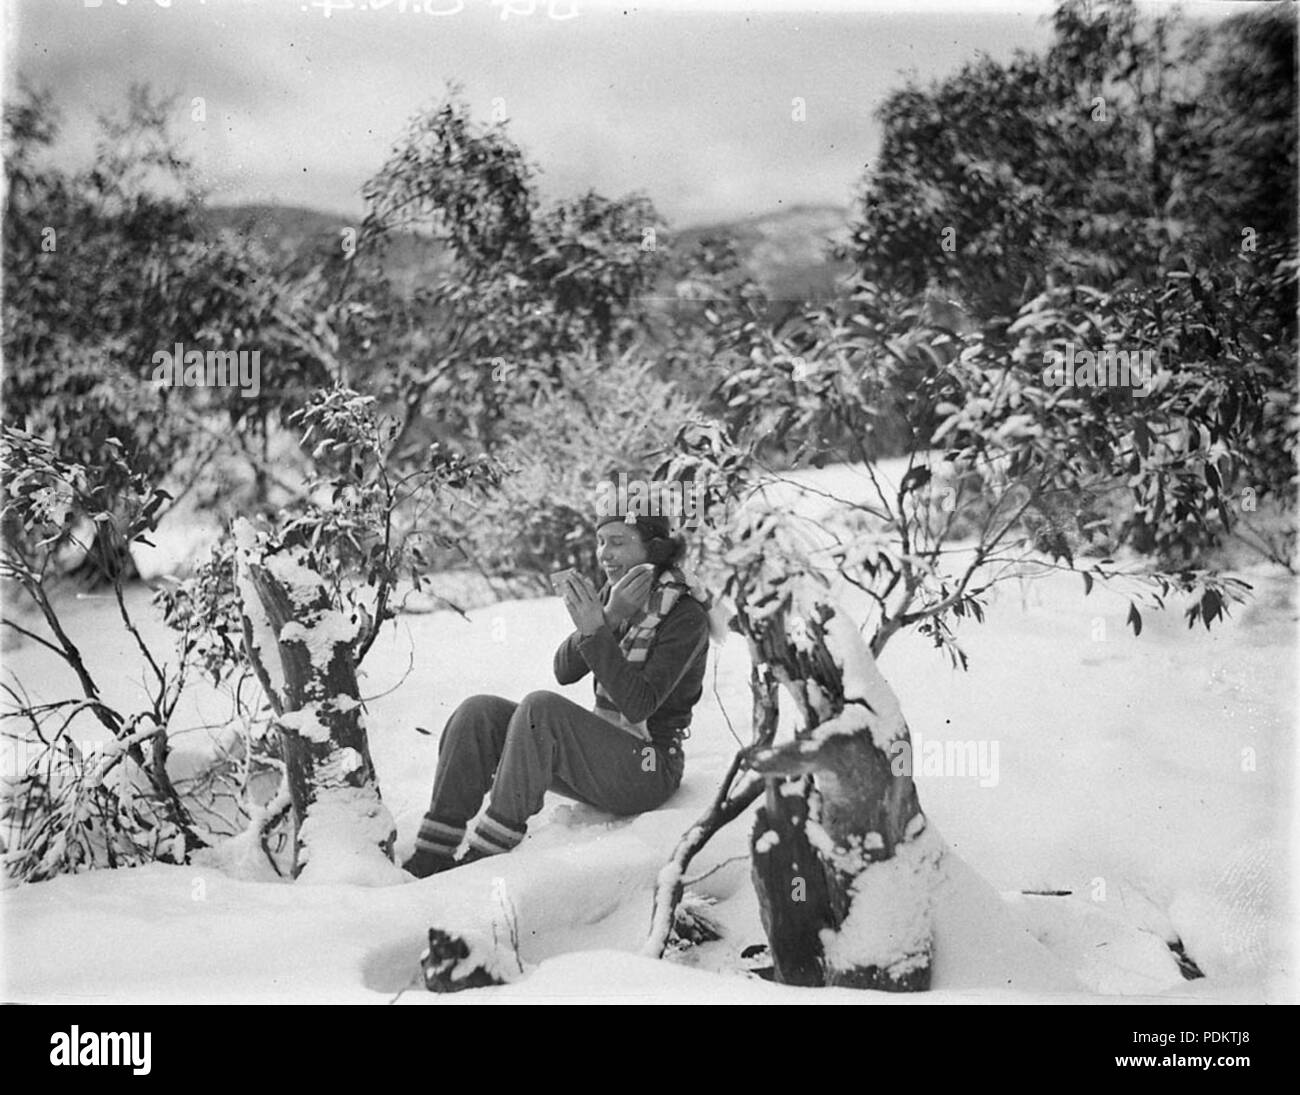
<point>1134,619</point>
<point>1142,437</point>
<point>1211,607</point>
<point>914,479</point>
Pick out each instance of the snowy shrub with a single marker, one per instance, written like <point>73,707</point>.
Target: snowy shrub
<point>300,600</point>
<point>1030,466</point>
<point>599,418</point>
<point>69,805</point>
<point>83,321</point>
<point>245,768</point>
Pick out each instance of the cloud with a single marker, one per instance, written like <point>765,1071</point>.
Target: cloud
<point>693,108</point>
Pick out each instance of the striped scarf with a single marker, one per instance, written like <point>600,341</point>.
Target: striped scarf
<point>638,636</point>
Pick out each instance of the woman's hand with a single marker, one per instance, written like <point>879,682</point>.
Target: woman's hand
<point>629,594</point>
<point>583,603</point>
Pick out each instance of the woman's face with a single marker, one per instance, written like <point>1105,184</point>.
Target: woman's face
<point>619,548</point>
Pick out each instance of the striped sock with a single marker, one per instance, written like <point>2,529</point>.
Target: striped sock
<point>438,837</point>
<point>493,835</point>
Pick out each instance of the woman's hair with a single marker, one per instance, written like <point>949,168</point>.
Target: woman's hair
<point>665,552</point>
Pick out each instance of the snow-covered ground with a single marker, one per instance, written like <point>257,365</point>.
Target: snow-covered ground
<point>1152,778</point>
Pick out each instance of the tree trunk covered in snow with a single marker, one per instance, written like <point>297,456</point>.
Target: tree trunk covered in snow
<point>302,649</point>
<point>794,899</point>
<point>843,863</point>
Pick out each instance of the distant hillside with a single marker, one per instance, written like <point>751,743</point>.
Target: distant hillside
<point>287,231</point>
<point>295,236</point>
<point>784,251</point>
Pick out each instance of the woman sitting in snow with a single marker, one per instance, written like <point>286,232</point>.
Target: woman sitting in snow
<point>644,639</point>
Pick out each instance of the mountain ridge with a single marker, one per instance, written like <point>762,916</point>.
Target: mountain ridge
<point>783,250</point>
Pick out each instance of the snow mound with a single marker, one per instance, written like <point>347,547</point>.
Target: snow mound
<point>1234,927</point>
<point>1108,954</point>
<point>891,913</point>
<point>341,839</point>
<point>979,945</point>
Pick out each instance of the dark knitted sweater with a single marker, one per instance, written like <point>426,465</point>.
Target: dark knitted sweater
<point>664,688</point>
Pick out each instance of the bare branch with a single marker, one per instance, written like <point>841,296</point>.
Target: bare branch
<point>726,808</point>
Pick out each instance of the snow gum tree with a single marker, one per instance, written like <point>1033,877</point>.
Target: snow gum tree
<point>310,594</point>
<point>303,650</point>
<point>844,862</point>
<point>1138,485</point>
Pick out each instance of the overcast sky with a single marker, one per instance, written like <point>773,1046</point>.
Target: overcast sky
<point>692,106</point>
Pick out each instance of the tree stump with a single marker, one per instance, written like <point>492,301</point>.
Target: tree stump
<point>450,964</point>
<point>843,861</point>
<point>301,647</point>
<point>794,900</point>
